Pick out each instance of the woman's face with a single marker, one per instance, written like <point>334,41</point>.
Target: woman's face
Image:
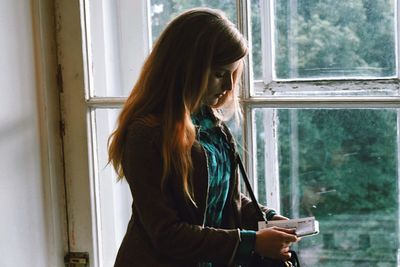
<point>220,81</point>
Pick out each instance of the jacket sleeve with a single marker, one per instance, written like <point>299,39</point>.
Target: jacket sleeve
<point>156,209</point>
<point>249,216</point>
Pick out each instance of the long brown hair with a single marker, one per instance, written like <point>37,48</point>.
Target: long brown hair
<point>172,83</point>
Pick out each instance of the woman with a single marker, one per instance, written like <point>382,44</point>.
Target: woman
<point>179,158</point>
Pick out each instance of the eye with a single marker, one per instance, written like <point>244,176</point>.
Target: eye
<point>219,74</point>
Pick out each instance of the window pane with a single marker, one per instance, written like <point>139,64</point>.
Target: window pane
<point>256,39</point>
<point>326,38</point>
<point>117,44</point>
<point>162,11</point>
<point>112,199</point>
<point>339,165</point>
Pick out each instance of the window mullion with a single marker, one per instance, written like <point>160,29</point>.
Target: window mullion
<point>271,159</point>
<point>271,175</point>
<point>243,19</point>
<point>397,37</point>
<point>397,11</point>
<point>249,146</point>
<point>398,183</point>
<point>267,37</point>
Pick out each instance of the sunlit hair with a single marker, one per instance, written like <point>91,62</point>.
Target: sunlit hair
<point>173,83</point>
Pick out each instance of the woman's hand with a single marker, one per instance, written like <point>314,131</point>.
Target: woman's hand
<point>274,242</point>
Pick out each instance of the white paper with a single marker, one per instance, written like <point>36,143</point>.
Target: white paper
<point>304,226</point>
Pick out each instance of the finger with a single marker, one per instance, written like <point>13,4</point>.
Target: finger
<point>289,238</point>
<point>285,250</point>
<point>288,235</point>
<point>286,256</point>
<point>286,230</point>
<point>286,244</point>
<point>292,238</point>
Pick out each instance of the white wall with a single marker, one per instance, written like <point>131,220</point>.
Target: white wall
<point>29,217</point>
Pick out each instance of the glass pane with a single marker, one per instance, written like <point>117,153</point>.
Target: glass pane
<point>162,11</point>
<point>326,38</point>
<point>117,44</point>
<point>112,198</point>
<point>256,39</point>
<point>341,166</point>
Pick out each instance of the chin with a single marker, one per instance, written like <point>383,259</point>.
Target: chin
<point>212,102</point>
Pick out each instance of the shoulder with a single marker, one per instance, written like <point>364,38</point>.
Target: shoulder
<point>142,138</point>
<point>142,145</point>
<point>141,130</point>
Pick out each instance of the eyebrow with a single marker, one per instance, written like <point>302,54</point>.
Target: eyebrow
<point>223,69</point>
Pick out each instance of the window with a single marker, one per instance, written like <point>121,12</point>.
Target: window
<point>321,104</point>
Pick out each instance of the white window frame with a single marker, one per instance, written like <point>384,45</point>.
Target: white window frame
<point>277,94</point>
<point>78,103</point>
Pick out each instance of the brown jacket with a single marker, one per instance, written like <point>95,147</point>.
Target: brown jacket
<point>165,229</point>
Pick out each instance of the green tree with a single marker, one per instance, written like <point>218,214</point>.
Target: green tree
<point>335,38</point>
<point>351,153</point>
<point>162,11</point>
